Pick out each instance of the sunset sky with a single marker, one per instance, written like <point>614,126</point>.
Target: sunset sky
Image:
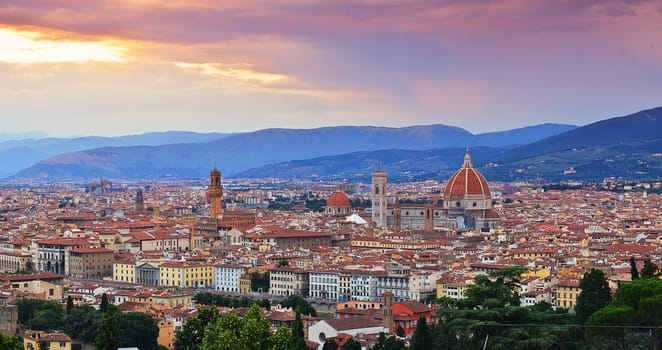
<point>107,67</point>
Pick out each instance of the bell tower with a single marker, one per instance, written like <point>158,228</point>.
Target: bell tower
<point>378,197</point>
<point>215,194</point>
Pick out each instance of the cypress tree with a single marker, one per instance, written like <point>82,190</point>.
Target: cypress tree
<point>634,273</point>
<point>421,338</point>
<point>297,340</point>
<point>649,270</point>
<point>70,304</point>
<point>104,303</point>
<point>595,294</point>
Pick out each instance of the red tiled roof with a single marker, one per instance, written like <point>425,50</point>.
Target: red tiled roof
<point>467,181</point>
<point>91,250</point>
<point>338,199</point>
<point>65,241</point>
<point>353,323</point>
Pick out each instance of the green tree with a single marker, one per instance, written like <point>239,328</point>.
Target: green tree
<point>296,302</point>
<point>400,332</point>
<point>281,338</point>
<point>82,323</point>
<point>10,343</point>
<point>283,263</point>
<point>223,334</point>
<point>256,329</point>
<point>498,289</point>
<point>42,315</point>
<point>297,340</point>
<point>109,334</point>
<point>392,343</point>
<point>380,343</point>
<point>330,345</point>
<point>48,319</point>
<point>139,330</point>
<point>104,303</point>
<point>229,332</point>
<point>634,273</point>
<point>260,281</point>
<point>70,304</point>
<point>649,270</point>
<point>465,327</point>
<point>351,344</point>
<point>193,331</point>
<point>638,304</point>
<point>27,308</point>
<point>595,294</point>
<point>421,339</point>
<point>266,304</point>
<point>631,294</point>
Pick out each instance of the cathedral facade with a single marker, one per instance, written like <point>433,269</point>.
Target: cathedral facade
<point>466,204</point>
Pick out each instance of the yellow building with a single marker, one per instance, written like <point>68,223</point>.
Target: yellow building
<point>166,334</point>
<point>43,286</point>
<point>566,292</point>
<point>55,341</point>
<point>540,273</point>
<point>124,271</point>
<point>245,284</point>
<point>12,262</point>
<point>172,300</point>
<point>186,275</point>
<point>453,289</point>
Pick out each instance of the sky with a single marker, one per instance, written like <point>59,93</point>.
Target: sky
<point>114,67</point>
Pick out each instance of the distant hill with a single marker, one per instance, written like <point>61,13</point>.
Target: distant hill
<point>18,154</point>
<point>5,136</point>
<point>628,147</point>
<point>638,127</point>
<point>239,152</point>
<point>401,165</point>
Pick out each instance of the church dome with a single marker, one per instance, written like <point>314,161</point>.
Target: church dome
<point>467,181</point>
<point>338,199</point>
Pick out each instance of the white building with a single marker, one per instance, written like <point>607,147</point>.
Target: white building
<point>227,277</point>
<point>398,285</point>
<point>288,281</point>
<point>325,329</point>
<point>363,286</point>
<point>324,285</point>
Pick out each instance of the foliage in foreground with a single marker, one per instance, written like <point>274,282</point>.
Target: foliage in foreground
<point>230,332</point>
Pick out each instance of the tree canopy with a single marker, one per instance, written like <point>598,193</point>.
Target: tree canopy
<point>296,302</point>
<point>10,342</point>
<point>639,304</point>
<point>649,270</point>
<point>491,312</point>
<point>109,333</point>
<point>40,314</point>
<point>595,294</point>
<point>498,289</point>
<point>82,323</point>
<point>191,335</point>
<point>230,332</point>
<point>297,340</point>
<point>139,330</point>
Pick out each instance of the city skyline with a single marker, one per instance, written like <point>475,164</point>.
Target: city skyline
<point>125,67</point>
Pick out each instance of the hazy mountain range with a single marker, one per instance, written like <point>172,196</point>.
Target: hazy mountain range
<point>240,152</point>
<point>628,146</point>
<point>19,153</point>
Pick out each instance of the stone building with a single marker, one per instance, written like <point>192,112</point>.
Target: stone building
<point>91,262</point>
